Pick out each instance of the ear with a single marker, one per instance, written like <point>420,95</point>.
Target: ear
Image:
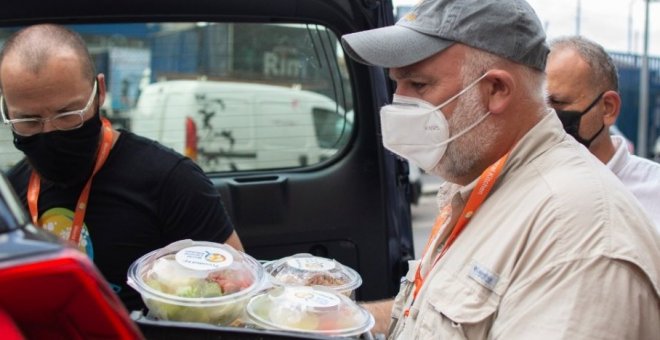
<point>100,79</point>
<point>500,87</point>
<point>612,104</point>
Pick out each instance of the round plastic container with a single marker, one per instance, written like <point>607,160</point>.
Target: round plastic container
<point>196,281</point>
<point>309,309</point>
<point>308,270</point>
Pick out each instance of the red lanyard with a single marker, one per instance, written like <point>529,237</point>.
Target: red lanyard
<point>477,197</point>
<point>81,207</point>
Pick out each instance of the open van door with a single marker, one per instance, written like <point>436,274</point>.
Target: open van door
<point>352,203</point>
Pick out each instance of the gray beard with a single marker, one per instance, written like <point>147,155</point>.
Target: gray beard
<point>464,153</point>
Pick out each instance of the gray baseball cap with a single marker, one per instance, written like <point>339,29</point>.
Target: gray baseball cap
<point>506,28</point>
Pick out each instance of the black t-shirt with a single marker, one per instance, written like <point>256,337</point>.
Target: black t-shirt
<point>144,197</point>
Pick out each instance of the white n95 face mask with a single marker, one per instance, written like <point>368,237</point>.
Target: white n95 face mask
<point>417,130</point>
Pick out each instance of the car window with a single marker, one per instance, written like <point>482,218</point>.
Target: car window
<point>231,96</point>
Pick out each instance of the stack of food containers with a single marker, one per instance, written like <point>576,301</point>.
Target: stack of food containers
<point>309,270</point>
<point>213,283</point>
<point>196,281</point>
<point>313,295</point>
<point>313,309</point>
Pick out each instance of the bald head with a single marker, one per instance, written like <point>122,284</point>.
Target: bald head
<point>33,47</point>
<point>603,72</point>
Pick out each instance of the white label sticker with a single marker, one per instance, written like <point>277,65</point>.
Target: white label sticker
<point>203,258</point>
<point>312,264</point>
<point>312,298</point>
<point>483,276</point>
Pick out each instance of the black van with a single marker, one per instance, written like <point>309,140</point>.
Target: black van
<point>351,204</point>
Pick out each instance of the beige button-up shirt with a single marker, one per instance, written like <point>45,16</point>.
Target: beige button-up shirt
<point>559,250</point>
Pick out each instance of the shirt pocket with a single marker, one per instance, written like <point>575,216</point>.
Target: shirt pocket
<point>402,299</point>
<point>407,284</point>
<point>456,309</point>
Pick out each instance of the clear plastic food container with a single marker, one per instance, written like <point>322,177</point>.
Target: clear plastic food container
<point>196,281</point>
<point>308,270</point>
<point>309,309</point>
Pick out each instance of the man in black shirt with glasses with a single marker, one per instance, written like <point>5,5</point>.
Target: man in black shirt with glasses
<point>111,193</point>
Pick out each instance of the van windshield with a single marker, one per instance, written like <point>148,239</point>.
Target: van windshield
<point>231,96</point>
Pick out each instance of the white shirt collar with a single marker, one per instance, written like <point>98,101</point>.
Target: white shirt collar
<point>621,155</point>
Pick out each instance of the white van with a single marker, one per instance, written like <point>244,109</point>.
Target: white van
<point>9,155</point>
<point>228,126</point>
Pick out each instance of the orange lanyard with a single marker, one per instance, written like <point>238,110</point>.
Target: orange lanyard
<point>34,186</point>
<point>477,197</point>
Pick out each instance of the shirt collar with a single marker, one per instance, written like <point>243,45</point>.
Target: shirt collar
<point>621,155</point>
<point>538,140</point>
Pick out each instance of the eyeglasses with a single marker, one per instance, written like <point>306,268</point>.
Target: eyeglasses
<point>63,121</point>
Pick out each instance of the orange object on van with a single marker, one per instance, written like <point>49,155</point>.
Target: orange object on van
<point>190,150</point>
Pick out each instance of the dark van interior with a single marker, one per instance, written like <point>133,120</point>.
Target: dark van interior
<point>344,197</point>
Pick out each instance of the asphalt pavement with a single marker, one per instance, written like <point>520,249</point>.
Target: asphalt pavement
<point>424,212</point>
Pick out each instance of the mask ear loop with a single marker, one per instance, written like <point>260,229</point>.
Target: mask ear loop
<point>461,92</point>
<point>466,130</point>
<point>467,88</point>
<point>591,106</point>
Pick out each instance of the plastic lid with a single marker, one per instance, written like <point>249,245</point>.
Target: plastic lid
<point>196,273</point>
<point>309,309</point>
<point>308,270</point>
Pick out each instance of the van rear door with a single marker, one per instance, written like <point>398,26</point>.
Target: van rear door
<point>351,204</point>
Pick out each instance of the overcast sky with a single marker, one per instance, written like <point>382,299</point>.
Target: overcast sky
<point>604,21</point>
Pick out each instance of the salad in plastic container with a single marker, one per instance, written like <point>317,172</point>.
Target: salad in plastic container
<point>309,309</point>
<point>308,270</point>
<point>196,281</point>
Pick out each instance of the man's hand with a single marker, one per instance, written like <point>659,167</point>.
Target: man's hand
<point>382,312</point>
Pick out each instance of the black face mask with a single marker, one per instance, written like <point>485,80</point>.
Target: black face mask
<point>65,158</point>
<point>571,122</point>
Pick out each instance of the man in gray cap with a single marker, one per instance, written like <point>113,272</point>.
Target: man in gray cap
<point>535,239</point>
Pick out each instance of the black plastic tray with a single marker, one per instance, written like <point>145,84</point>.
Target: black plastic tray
<point>159,329</point>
